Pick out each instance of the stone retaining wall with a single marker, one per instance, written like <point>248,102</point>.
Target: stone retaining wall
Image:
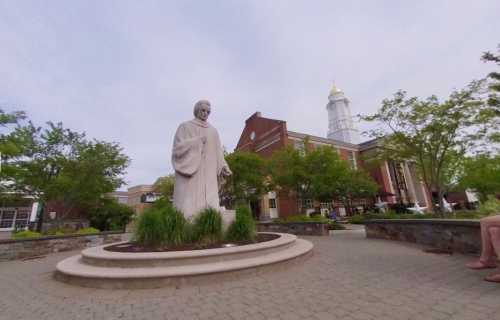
<point>297,228</point>
<point>30,248</point>
<point>462,236</point>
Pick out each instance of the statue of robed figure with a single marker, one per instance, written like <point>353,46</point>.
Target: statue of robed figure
<point>198,161</point>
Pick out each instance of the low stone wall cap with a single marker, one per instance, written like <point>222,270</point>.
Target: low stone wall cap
<point>456,222</point>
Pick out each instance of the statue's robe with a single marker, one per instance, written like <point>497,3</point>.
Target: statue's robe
<point>197,167</point>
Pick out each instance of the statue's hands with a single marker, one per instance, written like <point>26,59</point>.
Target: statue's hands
<point>203,139</point>
<point>226,171</point>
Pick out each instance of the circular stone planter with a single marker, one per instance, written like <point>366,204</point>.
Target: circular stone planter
<point>99,268</point>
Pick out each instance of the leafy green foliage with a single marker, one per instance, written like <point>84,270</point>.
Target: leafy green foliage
<point>88,230</point>
<point>332,225</point>
<point>320,174</point>
<point>247,182</point>
<point>302,218</point>
<point>161,225</point>
<point>57,164</point>
<point>326,172</point>
<point>466,214</point>
<point>243,228</point>
<point>352,185</point>
<point>207,227</point>
<point>26,234</point>
<point>494,76</point>
<point>110,215</point>
<point>288,172</point>
<point>150,229</point>
<point>356,219</point>
<point>177,228</point>
<point>435,134</point>
<point>165,186</point>
<point>482,174</point>
<point>490,206</point>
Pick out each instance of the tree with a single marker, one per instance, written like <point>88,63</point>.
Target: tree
<point>57,164</point>
<point>353,185</point>
<point>325,169</point>
<point>247,183</point>
<point>110,215</point>
<point>10,146</point>
<point>95,170</point>
<point>288,173</point>
<point>434,134</point>
<point>165,186</point>
<point>482,174</point>
<point>494,75</point>
<point>319,174</point>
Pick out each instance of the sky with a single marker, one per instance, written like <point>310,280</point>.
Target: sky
<point>131,71</point>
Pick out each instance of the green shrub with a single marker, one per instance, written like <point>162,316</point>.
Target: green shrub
<point>177,228</point>
<point>25,234</point>
<point>490,206</point>
<point>334,225</point>
<point>88,230</point>
<point>110,215</point>
<point>243,227</point>
<point>151,229</point>
<point>207,227</point>
<point>356,219</point>
<point>161,225</point>
<point>302,218</point>
<point>60,231</point>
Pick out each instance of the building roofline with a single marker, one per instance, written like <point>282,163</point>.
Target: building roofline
<point>324,140</point>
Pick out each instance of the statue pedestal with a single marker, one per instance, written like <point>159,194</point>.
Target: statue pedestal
<point>228,216</point>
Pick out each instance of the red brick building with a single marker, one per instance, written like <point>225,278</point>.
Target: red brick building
<point>398,182</point>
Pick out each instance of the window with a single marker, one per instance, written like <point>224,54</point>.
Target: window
<point>325,205</point>
<point>352,160</point>
<point>272,203</point>
<point>7,218</point>
<point>299,145</point>
<point>10,218</point>
<point>22,218</point>
<point>306,203</point>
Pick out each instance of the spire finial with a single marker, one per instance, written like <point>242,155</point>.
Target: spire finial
<point>334,89</point>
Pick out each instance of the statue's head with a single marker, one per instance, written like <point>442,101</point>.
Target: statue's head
<point>202,110</point>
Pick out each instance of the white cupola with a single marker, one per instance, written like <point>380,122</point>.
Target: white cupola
<point>340,123</point>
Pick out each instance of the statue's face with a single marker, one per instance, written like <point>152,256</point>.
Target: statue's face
<point>203,112</point>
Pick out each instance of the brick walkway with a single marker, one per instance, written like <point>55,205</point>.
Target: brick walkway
<point>348,277</point>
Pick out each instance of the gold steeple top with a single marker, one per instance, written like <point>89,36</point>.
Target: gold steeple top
<point>334,90</point>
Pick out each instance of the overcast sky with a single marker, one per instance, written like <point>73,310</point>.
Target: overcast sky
<point>130,71</point>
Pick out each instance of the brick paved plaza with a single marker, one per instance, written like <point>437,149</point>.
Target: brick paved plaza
<point>348,277</point>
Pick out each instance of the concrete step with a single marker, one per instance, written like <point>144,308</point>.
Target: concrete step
<point>75,271</point>
<point>98,256</point>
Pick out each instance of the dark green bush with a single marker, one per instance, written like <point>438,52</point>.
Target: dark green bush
<point>302,218</point>
<point>490,207</point>
<point>151,229</point>
<point>356,219</point>
<point>207,227</point>
<point>25,234</point>
<point>110,215</point>
<point>178,229</point>
<point>88,230</point>
<point>161,225</point>
<point>243,227</point>
<point>334,225</point>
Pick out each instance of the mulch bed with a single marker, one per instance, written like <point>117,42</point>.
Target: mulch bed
<point>133,247</point>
